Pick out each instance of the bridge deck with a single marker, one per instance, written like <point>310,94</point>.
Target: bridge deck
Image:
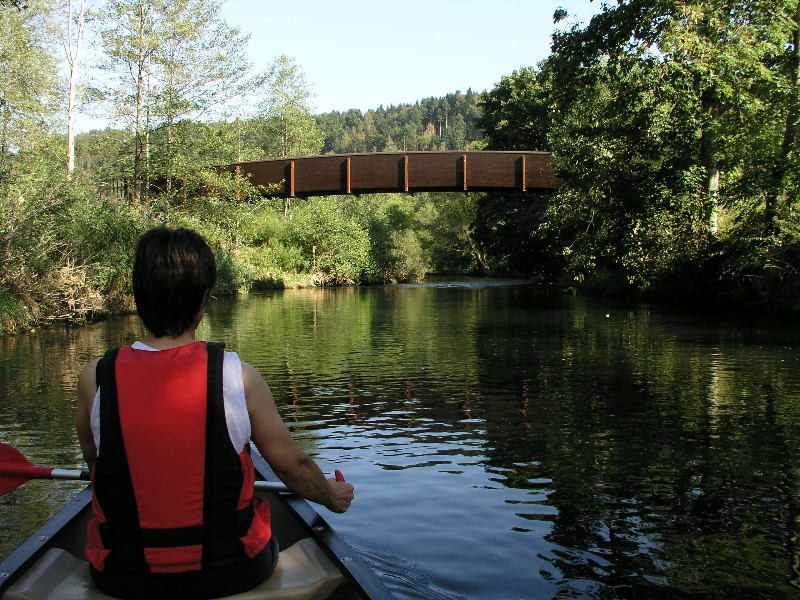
<point>409,172</point>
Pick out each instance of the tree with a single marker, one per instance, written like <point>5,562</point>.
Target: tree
<point>172,61</point>
<point>786,56</point>
<point>333,244</point>
<point>72,49</point>
<point>199,66</point>
<point>28,77</point>
<point>289,128</point>
<point>456,134</point>
<point>516,113</point>
<point>666,116</point>
<point>131,36</point>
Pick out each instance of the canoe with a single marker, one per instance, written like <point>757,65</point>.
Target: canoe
<point>315,562</point>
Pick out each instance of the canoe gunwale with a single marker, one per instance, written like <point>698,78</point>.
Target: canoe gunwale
<point>29,551</point>
<point>358,574</point>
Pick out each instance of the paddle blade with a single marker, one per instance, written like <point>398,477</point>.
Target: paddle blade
<point>8,484</point>
<point>15,469</point>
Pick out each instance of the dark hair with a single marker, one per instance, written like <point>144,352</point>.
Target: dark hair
<point>173,271</point>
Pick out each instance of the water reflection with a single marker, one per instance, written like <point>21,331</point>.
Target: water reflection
<point>505,443</point>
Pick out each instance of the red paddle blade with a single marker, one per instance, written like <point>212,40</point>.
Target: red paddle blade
<point>15,469</point>
<point>338,474</point>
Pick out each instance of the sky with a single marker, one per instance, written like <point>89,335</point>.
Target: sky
<point>369,53</point>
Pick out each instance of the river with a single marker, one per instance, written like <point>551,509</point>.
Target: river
<point>505,442</point>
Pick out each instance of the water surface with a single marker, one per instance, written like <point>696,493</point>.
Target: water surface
<point>504,442</point>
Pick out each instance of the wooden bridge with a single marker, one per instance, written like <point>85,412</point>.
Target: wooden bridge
<point>400,172</point>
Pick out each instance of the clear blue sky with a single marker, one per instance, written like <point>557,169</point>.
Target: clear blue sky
<point>367,53</point>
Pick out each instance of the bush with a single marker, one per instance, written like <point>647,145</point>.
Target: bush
<point>104,233</point>
<point>12,312</point>
<point>395,244</point>
<point>333,245</point>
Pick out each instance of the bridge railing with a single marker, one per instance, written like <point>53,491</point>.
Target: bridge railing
<point>404,172</point>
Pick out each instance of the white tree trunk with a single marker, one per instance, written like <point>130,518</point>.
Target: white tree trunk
<point>72,48</point>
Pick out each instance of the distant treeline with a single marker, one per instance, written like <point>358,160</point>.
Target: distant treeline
<point>448,123</point>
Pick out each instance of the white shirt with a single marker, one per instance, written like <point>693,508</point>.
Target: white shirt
<point>236,415</point>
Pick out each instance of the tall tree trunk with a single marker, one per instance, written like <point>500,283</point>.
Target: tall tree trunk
<point>4,115</point>
<point>170,155</point>
<point>708,160</point>
<point>140,151</point>
<point>73,53</point>
<point>789,143</point>
<point>138,155</point>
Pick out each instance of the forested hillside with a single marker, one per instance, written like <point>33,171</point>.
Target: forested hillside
<point>447,123</point>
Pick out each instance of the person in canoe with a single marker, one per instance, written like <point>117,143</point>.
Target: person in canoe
<point>165,426</point>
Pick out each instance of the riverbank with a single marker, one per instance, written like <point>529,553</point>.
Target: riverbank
<point>18,316</point>
<point>769,295</point>
<point>15,318</point>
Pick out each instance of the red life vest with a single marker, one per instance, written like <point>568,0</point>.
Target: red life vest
<point>170,492</point>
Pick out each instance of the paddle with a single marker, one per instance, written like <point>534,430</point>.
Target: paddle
<point>15,470</point>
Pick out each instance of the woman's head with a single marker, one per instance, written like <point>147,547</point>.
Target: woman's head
<point>173,273</point>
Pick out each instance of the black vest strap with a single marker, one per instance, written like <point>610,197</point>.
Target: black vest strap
<point>222,468</point>
<point>112,477</point>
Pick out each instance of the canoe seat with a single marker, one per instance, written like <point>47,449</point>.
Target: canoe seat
<point>303,571</point>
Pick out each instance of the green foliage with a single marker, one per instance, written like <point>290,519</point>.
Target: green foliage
<point>673,127</point>
<point>103,232</point>
<point>513,236</point>
<point>104,155</point>
<point>12,312</point>
<point>66,251</point>
<point>269,249</point>
<point>516,113</point>
<point>394,236</point>
<point>448,123</point>
<point>287,127</point>
<point>444,223</point>
<point>169,61</point>
<point>28,78</point>
<point>334,245</point>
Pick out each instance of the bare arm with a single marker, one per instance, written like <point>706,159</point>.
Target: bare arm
<point>294,467</point>
<point>87,388</point>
